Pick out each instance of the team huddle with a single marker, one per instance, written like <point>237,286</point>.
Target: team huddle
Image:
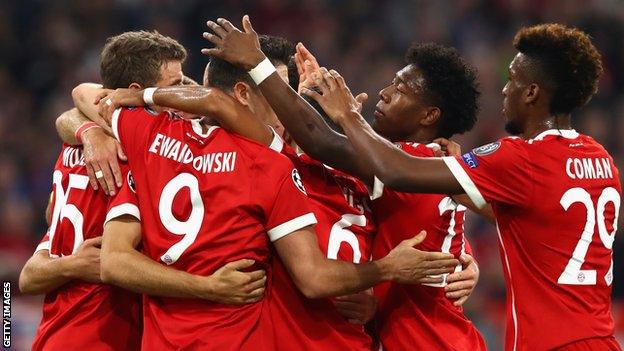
<point>261,211</point>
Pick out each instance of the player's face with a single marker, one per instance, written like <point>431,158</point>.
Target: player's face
<point>513,91</point>
<point>170,74</point>
<point>401,105</point>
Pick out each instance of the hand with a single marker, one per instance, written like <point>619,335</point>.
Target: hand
<point>448,147</point>
<point>306,66</point>
<point>358,308</point>
<point>335,97</point>
<point>100,154</point>
<point>228,285</point>
<point>109,102</point>
<point>238,48</point>
<point>462,284</point>
<point>85,263</point>
<point>410,266</point>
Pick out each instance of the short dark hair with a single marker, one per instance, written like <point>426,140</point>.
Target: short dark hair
<point>569,63</point>
<point>136,57</point>
<point>293,74</point>
<point>224,75</point>
<point>450,84</point>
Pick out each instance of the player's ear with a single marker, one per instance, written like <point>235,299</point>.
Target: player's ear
<point>531,93</point>
<point>135,86</point>
<point>432,116</point>
<point>242,93</point>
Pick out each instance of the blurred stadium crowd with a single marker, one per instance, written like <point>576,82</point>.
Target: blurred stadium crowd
<point>48,47</point>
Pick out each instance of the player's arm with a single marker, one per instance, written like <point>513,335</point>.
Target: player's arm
<point>70,122</point>
<point>301,120</point>
<point>451,148</point>
<point>486,211</point>
<point>317,276</point>
<point>196,100</point>
<point>123,265</point>
<point>101,151</point>
<point>42,274</point>
<point>395,168</point>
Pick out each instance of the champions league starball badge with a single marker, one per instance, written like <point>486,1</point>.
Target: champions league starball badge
<point>487,149</point>
<point>298,182</point>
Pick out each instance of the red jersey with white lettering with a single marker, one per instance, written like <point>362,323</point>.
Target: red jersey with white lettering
<point>420,316</point>
<point>81,315</point>
<point>344,231</point>
<point>556,199</point>
<point>207,199</point>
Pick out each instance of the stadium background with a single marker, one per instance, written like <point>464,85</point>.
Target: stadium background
<point>47,47</point>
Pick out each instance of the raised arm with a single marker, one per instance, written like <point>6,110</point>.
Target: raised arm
<point>301,120</point>
<point>317,276</point>
<point>42,274</point>
<point>196,100</point>
<point>395,168</point>
<point>123,265</point>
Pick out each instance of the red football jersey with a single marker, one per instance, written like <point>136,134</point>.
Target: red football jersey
<point>556,199</point>
<point>81,315</point>
<point>207,199</point>
<point>420,316</point>
<point>344,231</point>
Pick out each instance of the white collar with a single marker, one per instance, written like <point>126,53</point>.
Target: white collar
<point>566,133</point>
<point>197,128</point>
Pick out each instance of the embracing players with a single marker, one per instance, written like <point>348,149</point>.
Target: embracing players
<point>419,109</point>
<point>555,193</point>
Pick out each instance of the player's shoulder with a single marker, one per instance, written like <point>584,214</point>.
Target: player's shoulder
<point>260,154</point>
<point>71,159</point>
<point>145,111</point>
<point>418,149</point>
<point>504,145</point>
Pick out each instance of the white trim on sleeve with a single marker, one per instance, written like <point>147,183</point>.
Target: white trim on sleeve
<point>43,246</point>
<point>115,123</point>
<point>123,209</point>
<point>378,188</point>
<point>293,225</point>
<point>464,180</point>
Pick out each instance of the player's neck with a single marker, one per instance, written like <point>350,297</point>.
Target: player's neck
<point>538,126</point>
<point>421,136</point>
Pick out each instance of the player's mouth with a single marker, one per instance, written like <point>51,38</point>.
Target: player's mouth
<point>378,113</point>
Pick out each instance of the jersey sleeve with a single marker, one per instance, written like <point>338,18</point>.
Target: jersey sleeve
<point>125,201</point>
<point>283,198</point>
<point>44,244</point>
<point>495,173</point>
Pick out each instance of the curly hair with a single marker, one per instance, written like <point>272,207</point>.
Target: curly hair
<point>450,83</point>
<point>137,57</point>
<point>569,62</point>
<point>224,75</point>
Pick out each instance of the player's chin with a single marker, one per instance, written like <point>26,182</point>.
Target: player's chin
<point>512,128</point>
<point>379,127</point>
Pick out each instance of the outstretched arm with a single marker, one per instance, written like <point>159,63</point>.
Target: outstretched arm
<point>317,276</point>
<point>301,120</point>
<point>128,268</point>
<point>196,100</point>
<point>395,168</point>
